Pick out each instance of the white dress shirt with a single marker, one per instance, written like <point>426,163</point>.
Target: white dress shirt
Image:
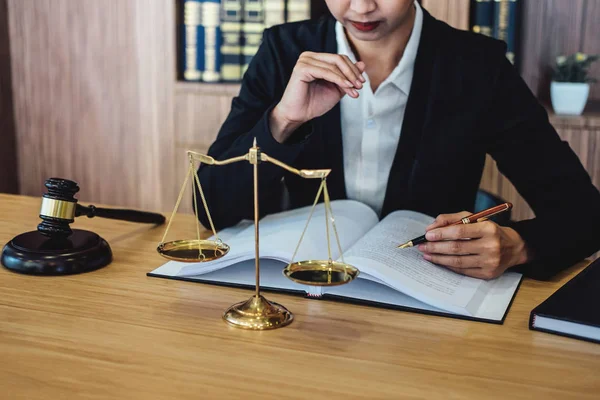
<point>371,124</point>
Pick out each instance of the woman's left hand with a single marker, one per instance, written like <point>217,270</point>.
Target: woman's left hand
<point>481,250</point>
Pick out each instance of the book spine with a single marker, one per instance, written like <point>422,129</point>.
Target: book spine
<point>192,43</point>
<point>274,12</point>
<point>211,27</point>
<point>298,10</point>
<point>505,25</point>
<point>252,30</point>
<point>483,22</point>
<point>231,47</point>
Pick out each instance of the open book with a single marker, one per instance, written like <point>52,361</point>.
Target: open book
<point>389,277</point>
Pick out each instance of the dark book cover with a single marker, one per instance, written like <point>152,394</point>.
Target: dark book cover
<point>483,17</point>
<point>344,299</point>
<point>506,21</point>
<point>192,41</point>
<point>578,301</point>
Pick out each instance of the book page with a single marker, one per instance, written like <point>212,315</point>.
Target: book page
<point>280,233</point>
<point>405,269</point>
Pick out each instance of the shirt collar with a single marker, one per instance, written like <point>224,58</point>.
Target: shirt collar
<point>402,75</point>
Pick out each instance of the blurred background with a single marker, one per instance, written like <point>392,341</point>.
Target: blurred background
<point>112,93</point>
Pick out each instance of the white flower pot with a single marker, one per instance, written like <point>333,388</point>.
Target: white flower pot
<point>569,98</point>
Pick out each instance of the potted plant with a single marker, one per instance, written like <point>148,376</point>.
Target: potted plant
<point>570,85</point>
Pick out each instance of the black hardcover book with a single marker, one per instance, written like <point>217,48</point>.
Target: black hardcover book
<point>506,25</point>
<point>574,309</point>
<point>483,17</point>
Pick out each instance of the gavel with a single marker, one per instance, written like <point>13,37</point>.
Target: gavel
<point>56,249</point>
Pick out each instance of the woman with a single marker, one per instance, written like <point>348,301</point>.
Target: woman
<point>403,109</point>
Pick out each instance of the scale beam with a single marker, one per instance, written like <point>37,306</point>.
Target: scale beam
<point>258,313</point>
<point>260,157</point>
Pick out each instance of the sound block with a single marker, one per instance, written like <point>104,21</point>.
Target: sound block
<point>35,254</point>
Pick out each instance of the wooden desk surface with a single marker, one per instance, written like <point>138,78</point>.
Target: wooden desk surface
<point>115,333</point>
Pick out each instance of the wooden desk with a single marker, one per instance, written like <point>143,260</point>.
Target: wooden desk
<point>115,333</point>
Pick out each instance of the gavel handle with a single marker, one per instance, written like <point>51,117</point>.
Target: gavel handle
<point>125,215</point>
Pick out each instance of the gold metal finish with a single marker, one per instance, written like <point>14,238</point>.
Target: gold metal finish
<point>58,208</point>
<point>304,173</point>
<point>211,161</point>
<point>186,250</point>
<point>406,245</point>
<point>181,250</point>
<point>465,220</point>
<point>320,272</point>
<point>257,313</point>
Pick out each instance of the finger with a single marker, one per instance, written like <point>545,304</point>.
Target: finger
<point>458,262</point>
<point>334,68</point>
<point>311,72</point>
<point>479,273</point>
<point>453,247</point>
<point>447,219</point>
<point>462,231</point>
<point>350,71</point>
<point>361,66</point>
<point>354,69</point>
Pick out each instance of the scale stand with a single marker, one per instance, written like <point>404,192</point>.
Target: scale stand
<point>258,313</point>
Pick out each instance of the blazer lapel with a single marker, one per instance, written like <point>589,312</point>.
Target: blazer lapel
<point>397,192</point>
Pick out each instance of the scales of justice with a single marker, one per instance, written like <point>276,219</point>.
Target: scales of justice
<point>258,313</point>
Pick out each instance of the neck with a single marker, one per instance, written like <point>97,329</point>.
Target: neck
<point>385,53</point>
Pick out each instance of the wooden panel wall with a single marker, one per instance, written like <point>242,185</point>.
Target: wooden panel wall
<point>93,93</point>
<point>453,12</point>
<point>554,27</point>
<point>8,158</point>
<point>200,110</point>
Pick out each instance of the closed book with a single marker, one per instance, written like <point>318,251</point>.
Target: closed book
<point>211,28</point>
<point>505,25</point>
<point>483,17</point>
<point>193,41</point>
<point>574,309</point>
<point>252,29</point>
<point>298,10</point>
<point>231,46</point>
<point>274,12</point>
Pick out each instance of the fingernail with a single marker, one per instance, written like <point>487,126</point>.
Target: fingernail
<point>349,84</point>
<point>354,92</point>
<point>421,247</point>
<point>362,78</point>
<point>431,235</point>
<point>358,83</point>
<point>427,257</point>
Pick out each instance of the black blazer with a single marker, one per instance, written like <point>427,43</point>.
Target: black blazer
<point>466,101</point>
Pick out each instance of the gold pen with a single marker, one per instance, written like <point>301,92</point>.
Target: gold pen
<point>477,217</point>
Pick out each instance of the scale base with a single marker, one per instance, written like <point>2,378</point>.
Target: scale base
<point>258,313</point>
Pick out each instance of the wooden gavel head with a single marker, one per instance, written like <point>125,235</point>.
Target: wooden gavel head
<point>58,208</point>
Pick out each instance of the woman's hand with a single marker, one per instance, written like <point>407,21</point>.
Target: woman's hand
<point>318,83</point>
<point>481,250</point>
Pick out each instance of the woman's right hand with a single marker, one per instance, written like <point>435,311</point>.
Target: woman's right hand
<point>318,83</point>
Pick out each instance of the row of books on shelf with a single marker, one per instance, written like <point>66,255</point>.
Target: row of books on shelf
<point>220,37</point>
<point>498,19</point>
